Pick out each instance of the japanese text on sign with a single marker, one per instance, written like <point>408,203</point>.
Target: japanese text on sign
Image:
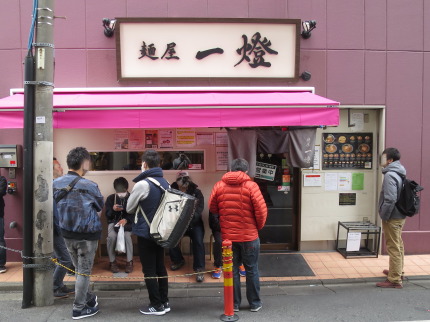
<point>230,48</point>
<point>265,171</point>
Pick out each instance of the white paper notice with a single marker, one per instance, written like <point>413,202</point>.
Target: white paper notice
<point>312,180</point>
<point>40,119</point>
<point>205,138</point>
<point>166,138</point>
<point>121,138</point>
<point>330,182</point>
<point>358,120</point>
<point>353,242</point>
<point>136,141</point>
<point>221,138</point>
<point>221,158</point>
<point>345,181</point>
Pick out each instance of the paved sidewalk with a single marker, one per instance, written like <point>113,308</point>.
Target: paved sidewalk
<point>325,265</point>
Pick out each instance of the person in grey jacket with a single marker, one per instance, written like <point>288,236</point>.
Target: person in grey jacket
<point>392,220</point>
<point>79,220</point>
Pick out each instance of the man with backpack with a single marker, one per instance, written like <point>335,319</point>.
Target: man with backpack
<point>146,197</point>
<point>392,219</point>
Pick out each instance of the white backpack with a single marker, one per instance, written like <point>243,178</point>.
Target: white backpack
<point>172,217</point>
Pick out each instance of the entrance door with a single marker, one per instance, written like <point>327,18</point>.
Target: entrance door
<point>281,196</point>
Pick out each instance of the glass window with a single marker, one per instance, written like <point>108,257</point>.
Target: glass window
<point>170,160</point>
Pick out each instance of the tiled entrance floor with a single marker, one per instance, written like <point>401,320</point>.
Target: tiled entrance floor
<point>325,265</point>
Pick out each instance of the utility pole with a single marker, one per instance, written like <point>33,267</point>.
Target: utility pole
<point>43,154</point>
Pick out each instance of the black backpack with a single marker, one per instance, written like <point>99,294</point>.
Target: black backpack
<point>409,201</point>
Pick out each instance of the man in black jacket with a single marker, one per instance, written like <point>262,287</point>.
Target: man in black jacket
<point>196,229</point>
<point>3,187</point>
<point>116,214</point>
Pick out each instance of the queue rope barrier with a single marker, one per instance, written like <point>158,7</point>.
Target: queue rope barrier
<point>55,262</point>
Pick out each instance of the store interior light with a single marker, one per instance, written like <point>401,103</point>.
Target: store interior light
<point>109,25</point>
<point>308,26</point>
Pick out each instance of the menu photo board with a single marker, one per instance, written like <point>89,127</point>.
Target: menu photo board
<point>347,150</point>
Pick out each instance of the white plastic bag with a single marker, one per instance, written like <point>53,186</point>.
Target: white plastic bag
<point>120,240</point>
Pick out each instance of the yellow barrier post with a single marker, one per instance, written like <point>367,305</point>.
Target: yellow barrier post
<point>227,256</point>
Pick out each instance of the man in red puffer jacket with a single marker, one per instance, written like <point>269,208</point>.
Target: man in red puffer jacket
<point>242,212</point>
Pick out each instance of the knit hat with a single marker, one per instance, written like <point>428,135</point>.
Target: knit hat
<point>182,174</point>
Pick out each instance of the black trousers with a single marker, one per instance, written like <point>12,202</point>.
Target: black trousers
<point>152,259</point>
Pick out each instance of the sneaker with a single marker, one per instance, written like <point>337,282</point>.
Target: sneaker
<point>388,284</point>
<point>242,271</point>
<point>60,294</point>
<point>166,307</point>
<point>93,302</point>
<point>67,290</point>
<point>256,308</point>
<point>3,269</point>
<point>84,313</point>
<point>176,266</point>
<point>200,277</point>
<point>217,273</point>
<point>151,310</point>
<point>236,309</point>
<point>386,272</point>
<point>129,267</point>
<point>114,267</point>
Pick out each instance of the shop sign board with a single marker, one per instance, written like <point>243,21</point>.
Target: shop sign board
<point>265,171</point>
<point>347,199</point>
<point>186,48</point>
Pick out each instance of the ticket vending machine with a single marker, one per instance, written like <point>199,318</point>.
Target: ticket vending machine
<point>10,158</point>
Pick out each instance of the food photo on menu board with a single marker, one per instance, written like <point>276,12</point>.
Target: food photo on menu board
<point>347,150</point>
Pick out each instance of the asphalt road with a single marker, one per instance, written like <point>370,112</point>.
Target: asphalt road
<point>342,302</point>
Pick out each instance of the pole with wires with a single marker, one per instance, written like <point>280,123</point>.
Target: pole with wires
<point>29,77</point>
<point>43,154</point>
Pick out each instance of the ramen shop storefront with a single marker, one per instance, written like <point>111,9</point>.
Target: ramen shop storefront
<point>207,126</point>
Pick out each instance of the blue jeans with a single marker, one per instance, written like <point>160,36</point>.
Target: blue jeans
<point>63,256</point>
<point>247,253</point>
<point>196,234</point>
<point>82,253</point>
<point>217,248</point>
<point>2,243</point>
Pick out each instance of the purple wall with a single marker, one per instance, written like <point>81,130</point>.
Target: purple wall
<point>362,52</point>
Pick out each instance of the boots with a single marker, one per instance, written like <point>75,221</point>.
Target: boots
<point>114,267</point>
<point>129,267</point>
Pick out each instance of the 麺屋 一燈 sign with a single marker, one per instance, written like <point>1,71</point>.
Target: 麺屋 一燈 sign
<point>207,48</point>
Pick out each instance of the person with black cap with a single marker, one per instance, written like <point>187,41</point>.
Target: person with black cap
<point>195,231</point>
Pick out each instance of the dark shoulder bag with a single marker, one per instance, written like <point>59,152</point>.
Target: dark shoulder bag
<point>64,191</point>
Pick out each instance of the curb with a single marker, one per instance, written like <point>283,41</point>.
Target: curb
<point>138,286</point>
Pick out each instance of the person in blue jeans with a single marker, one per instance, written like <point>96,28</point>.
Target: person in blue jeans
<point>79,219</point>
<point>195,231</point>
<point>60,248</point>
<point>3,188</point>
<point>242,213</point>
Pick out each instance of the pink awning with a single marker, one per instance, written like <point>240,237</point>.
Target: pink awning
<point>179,109</point>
